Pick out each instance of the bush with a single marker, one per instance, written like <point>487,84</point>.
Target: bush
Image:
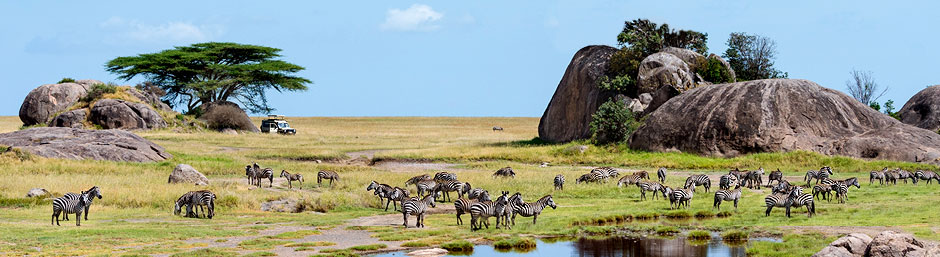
<point>458,246</point>
<point>98,90</point>
<point>226,116</point>
<point>66,80</point>
<point>714,71</point>
<point>613,123</point>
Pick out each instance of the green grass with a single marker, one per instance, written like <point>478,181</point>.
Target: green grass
<point>261,244</point>
<point>311,244</point>
<point>206,252</point>
<point>338,253</point>
<point>458,246</point>
<point>699,235</point>
<point>415,244</point>
<point>517,243</point>
<point>704,214</point>
<point>295,234</point>
<point>371,247</point>
<point>667,230</point>
<point>259,254</point>
<point>734,235</point>
<point>792,245</point>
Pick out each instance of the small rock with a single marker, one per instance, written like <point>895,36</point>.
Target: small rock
<point>229,131</point>
<point>893,244</point>
<point>38,192</point>
<point>646,98</point>
<point>184,173</point>
<point>853,244</point>
<point>433,252</point>
<point>283,205</point>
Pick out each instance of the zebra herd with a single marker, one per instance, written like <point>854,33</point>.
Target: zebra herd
<point>886,176</point>
<point>477,202</point>
<point>256,174</point>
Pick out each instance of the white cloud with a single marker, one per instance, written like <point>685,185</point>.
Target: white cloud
<point>174,31</point>
<point>418,17</point>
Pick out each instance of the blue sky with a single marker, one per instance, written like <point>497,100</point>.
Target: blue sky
<point>455,58</point>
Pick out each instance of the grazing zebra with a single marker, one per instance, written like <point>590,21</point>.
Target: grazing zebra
<point>444,177</point>
<point>927,175</point>
<point>727,181</point>
<point>417,178</point>
<point>505,172</point>
<point>417,208</point>
<point>185,199</point>
<point>879,175</point>
<point>529,209</point>
<point>69,203</point>
<point>481,211</point>
<point>823,190</point>
<point>891,176</point>
<point>903,174</point>
<point>683,196</point>
<point>740,175</point>
<point>559,182</point>
<point>462,205</point>
<point>591,178</point>
<point>822,173</point>
<point>754,178</point>
<point>785,188</point>
<point>426,187</point>
<point>294,177</point>
<point>202,198</point>
<point>699,180</point>
<point>632,179</point>
<point>727,195</point>
<point>661,174</point>
<point>93,192</point>
<point>398,195</point>
<point>447,187</point>
<point>842,191</point>
<point>648,186</point>
<point>465,189</point>
<point>326,174</point>
<point>609,172</point>
<point>267,173</point>
<point>795,198</point>
<point>776,175</point>
<point>381,190</point>
<point>497,128</point>
<point>478,194</point>
<point>666,191</point>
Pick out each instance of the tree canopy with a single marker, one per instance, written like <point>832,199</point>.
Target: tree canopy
<point>214,71</point>
<point>752,56</point>
<point>649,38</point>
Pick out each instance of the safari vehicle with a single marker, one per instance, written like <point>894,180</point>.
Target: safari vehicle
<point>276,124</point>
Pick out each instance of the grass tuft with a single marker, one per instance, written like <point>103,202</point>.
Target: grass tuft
<point>704,214</point>
<point>724,214</point>
<point>667,230</point>
<point>371,247</point>
<point>458,246</point>
<point>699,235</point>
<point>678,215</point>
<point>517,243</point>
<point>734,235</point>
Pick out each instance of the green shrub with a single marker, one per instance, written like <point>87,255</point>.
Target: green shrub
<point>620,84</point>
<point>458,246</point>
<point>712,70</point>
<point>206,252</point>
<point>66,80</point>
<point>613,123</point>
<point>700,235</point>
<point>646,216</point>
<point>98,90</point>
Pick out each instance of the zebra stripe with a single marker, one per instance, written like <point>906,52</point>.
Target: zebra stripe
<point>680,196</point>
<point>903,174</point>
<point>462,205</point>
<point>505,172</point>
<point>293,177</point>
<point>415,179</point>
<point>606,171</point>
<point>559,182</point>
<point>926,175</point>
<point>727,181</point>
<point>824,191</point>
<point>445,177</point>
<point>630,179</point>
<point>795,198</point>
<point>326,174</point>
<point>69,203</point>
<point>426,187</point>
<point>480,212</point>
<point>417,208</point>
<point>879,175</point>
<point>776,175</point>
<point>699,180</point>
<point>533,210</point>
<point>754,178</point>
<point>661,174</point>
<point>396,194</point>
<point>203,198</point>
<point>648,186</point>
<point>727,195</point>
<point>591,178</point>
<point>842,191</point>
<point>447,187</point>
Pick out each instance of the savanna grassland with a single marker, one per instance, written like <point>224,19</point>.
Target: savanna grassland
<point>135,214</point>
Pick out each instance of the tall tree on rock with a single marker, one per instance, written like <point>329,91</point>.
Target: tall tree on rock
<point>215,71</point>
<point>752,56</point>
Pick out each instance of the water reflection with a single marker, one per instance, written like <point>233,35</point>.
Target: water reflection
<point>617,247</point>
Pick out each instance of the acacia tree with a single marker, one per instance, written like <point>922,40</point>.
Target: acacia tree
<point>752,56</point>
<point>215,71</point>
<point>649,38</point>
<point>864,89</point>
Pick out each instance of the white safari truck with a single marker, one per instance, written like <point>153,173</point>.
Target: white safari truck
<point>276,124</point>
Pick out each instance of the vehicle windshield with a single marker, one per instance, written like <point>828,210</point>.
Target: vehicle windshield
<point>283,125</point>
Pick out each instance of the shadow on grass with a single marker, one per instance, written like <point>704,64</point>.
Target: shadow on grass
<point>535,141</point>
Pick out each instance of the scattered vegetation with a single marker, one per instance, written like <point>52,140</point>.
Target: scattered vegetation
<point>667,230</point>
<point>97,91</point>
<point>295,234</point>
<point>678,214</point>
<point>613,123</point>
<point>371,247</point>
<point>752,56</point>
<point>699,235</point>
<point>734,235</point>
<point>226,116</point>
<point>517,243</point>
<point>66,80</point>
<point>261,244</point>
<point>458,246</point>
<point>792,245</point>
<point>416,244</point>
<point>704,214</point>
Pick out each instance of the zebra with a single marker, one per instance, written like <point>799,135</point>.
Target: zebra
<point>699,180</point>
<point>879,175</point>
<point>381,190</point>
<point>661,174</point>
<point>417,178</point>
<point>326,174</point>
<point>533,210</point>
<point>784,187</point>
<point>462,205</point>
<point>631,179</point>
<point>465,189</point>
<point>606,171</point>
<point>417,208</point>
<point>666,192</point>
<point>486,209</point>
<point>559,182</point>
<point>202,198</point>
<point>426,187</point>
<point>823,172</point>
<point>505,172</point>
<point>185,199</point>
<point>293,177</point>
<point>842,191</point>
<point>727,181</point>
<point>497,128</point>
<point>903,174</point>
<point>93,192</point>
<point>853,181</point>
<point>753,178</point>
<point>478,194</point>
<point>397,194</point>
<point>823,191</point>
<point>740,175</point>
<point>591,178</point>
<point>927,175</point>
<point>262,174</point>
<point>648,186</point>
<point>796,198</point>
<point>727,195</point>
<point>444,177</point>
<point>250,173</point>
<point>683,196</point>
<point>891,176</point>
<point>69,203</point>
<point>447,187</point>
<point>775,176</point>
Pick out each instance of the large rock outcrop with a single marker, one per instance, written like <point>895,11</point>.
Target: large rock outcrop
<point>923,109</point>
<point>183,173</point>
<point>120,114</point>
<point>80,144</point>
<point>780,115</point>
<point>893,244</point>
<point>70,119</point>
<point>661,69</point>
<point>577,97</point>
<point>851,245</point>
<point>45,101</point>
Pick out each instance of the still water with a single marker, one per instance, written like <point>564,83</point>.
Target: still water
<point>616,247</point>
